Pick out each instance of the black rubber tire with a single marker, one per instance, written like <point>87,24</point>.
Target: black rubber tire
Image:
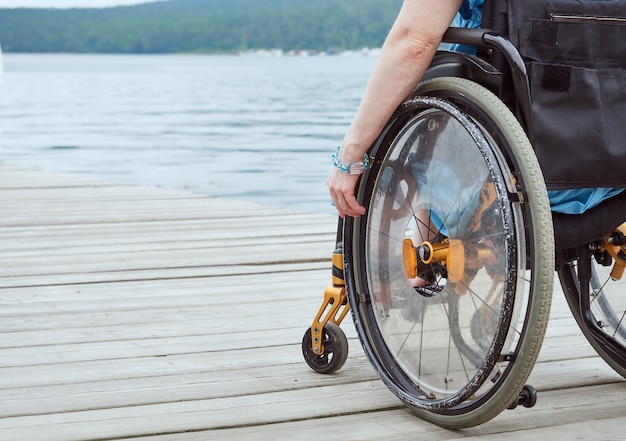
<point>335,350</point>
<point>486,110</point>
<point>529,395</point>
<point>607,305</point>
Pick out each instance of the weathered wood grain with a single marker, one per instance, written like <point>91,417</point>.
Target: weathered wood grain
<point>144,313</point>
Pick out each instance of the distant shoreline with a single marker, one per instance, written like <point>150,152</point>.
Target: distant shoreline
<point>201,26</point>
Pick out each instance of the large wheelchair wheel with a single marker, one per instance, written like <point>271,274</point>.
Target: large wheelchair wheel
<point>595,289</point>
<point>450,271</point>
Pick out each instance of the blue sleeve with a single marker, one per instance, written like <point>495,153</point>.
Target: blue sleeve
<point>470,9</point>
<point>469,16</point>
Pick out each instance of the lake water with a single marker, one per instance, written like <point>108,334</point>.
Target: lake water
<point>245,127</point>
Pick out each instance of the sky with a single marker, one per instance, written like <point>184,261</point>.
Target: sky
<point>68,3</point>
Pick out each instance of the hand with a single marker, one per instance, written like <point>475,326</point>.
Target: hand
<point>341,187</point>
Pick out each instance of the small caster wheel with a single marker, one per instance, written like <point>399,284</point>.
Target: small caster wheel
<point>527,397</point>
<point>335,350</point>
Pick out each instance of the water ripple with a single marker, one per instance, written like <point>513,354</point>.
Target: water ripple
<point>254,128</point>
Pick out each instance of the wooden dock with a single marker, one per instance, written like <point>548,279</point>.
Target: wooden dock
<point>144,313</point>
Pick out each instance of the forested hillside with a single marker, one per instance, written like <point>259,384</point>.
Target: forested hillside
<point>211,26</point>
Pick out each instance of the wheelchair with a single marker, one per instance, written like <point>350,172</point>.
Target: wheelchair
<point>449,274</point>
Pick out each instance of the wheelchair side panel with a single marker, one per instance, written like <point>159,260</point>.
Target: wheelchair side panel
<point>575,52</point>
<point>454,64</point>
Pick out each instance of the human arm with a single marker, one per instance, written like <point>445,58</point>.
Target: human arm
<point>403,60</point>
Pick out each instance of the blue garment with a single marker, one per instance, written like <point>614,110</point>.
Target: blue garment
<point>577,201</point>
<point>574,201</point>
<point>469,16</point>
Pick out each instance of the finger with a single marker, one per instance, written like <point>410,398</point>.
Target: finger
<point>335,202</point>
<point>349,207</point>
<point>346,204</point>
<point>353,207</point>
<point>343,207</point>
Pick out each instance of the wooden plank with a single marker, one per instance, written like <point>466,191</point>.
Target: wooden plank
<point>15,177</point>
<point>160,274</point>
<point>559,415</point>
<point>280,407</point>
<point>200,414</point>
<point>144,381</point>
<point>261,227</point>
<point>161,259</point>
<point>109,243</point>
<point>138,312</point>
<point>306,283</point>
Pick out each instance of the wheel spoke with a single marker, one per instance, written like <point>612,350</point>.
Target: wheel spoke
<point>607,305</point>
<point>439,177</point>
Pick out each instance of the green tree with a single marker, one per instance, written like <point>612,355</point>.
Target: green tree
<point>213,26</point>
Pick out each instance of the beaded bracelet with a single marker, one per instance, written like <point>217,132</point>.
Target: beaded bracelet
<point>354,168</point>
